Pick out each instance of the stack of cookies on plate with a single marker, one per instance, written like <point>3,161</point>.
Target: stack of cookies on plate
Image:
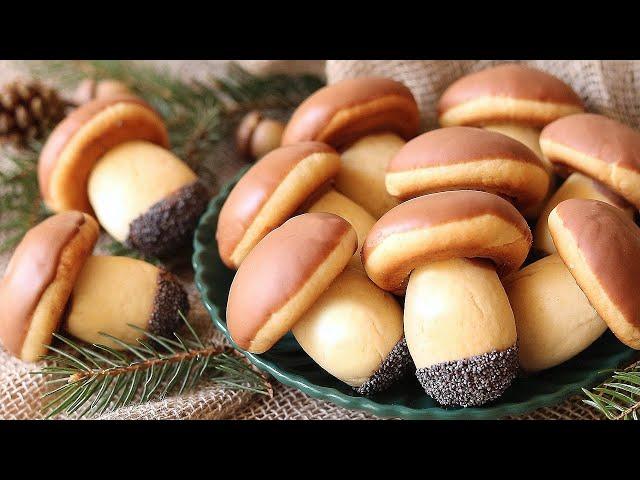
<point>500,244</point>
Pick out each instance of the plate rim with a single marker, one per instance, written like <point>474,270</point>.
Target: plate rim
<point>333,395</point>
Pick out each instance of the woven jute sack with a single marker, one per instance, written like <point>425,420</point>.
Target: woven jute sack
<point>607,87</point>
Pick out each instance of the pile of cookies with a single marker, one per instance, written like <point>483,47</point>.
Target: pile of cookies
<point>109,159</point>
<point>386,252</point>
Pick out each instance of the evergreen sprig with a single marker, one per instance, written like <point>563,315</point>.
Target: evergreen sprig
<point>21,206</point>
<point>94,379</point>
<point>198,114</point>
<point>619,397</point>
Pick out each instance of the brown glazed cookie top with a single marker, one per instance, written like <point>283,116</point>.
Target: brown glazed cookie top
<point>609,242</point>
<point>455,145</point>
<point>510,81</point>
<point>30,271</point>
<point>341,113</point>
<point>66,129</point>
<point>278,268</point>
<point>441,208</point>
<point>595,136</point>
<point>255,188</point>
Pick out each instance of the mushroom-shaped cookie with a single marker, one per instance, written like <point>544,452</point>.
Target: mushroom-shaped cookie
<point>554,319</point>
<point>281,183</point>
<point>367,119</point>
<point>461,158</point>
<point>576,185</point>
<point>512,99</point>
<point>296,278</point>
<point>600,148</point>
<point>112,293</point>
<point>39,280</point>
<point>601,247</point>
<point>53,281</point>
<point>458,324</point>
<point>109,156</point>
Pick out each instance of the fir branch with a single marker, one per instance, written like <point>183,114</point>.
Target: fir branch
<point>619,397</point>
<point>20,204</point>
<point>96,379</point>
<point>198,114</point>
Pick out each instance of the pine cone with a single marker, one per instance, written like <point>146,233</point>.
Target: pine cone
<point>27,110</point>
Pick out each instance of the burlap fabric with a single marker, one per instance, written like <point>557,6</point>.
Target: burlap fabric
<point>606,87</point>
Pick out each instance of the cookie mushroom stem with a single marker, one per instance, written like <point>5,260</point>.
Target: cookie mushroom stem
<point>554,319</point>
<point>112,293</point>
<point>39,279</point>
<point>461,158</point>
<point>459,327</point>
<point>600,246</point>
<point>354,331</point>
<point>367,119</point>
<point>146,197</point>
<point>297,277</point>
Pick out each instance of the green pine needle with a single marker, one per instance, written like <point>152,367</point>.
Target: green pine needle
<point>95,379</point>
<point>619,397</point>
<point>20,204</point>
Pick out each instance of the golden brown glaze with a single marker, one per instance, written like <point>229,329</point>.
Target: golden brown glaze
<point>609,242</point>
<point>510,81</point>
<point>341,113</point>
<point>596,136</point>
<point>277,268</point>
<point>454,145</point>
<point>30,271</point>
<point>254,189</point>
<point>440,208</point>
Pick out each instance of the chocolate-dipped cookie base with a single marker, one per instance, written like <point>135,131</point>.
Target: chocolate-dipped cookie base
<point>169,302</point>
<point>169,224</point>
<point>471,381</point>
<point>397,364</point>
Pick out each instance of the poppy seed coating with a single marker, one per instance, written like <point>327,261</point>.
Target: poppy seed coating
<point>397,364</point>
<point>169,223</point>
<point>170,299</point>
<point>471,381</point>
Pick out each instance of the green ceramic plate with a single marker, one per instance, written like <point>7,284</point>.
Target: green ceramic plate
<point>289,364</point>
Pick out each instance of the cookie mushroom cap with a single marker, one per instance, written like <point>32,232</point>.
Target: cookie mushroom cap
<point>112,293</point>
<point>284,275</point>
<point>599,147</point>
<point>341,113</point>
<point>601,247</point>
<point>443,226</point>
<point>576,185</point>
<point>269,193</point>
<point>83,137</point>
<point>509,93</point>
<point>146,197</point>
<point>554,319</point>
<point>39,280</point>
<point>354,331</point>
<point>460,158</point>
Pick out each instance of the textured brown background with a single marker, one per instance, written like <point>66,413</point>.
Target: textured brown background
<point>607,87</point>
